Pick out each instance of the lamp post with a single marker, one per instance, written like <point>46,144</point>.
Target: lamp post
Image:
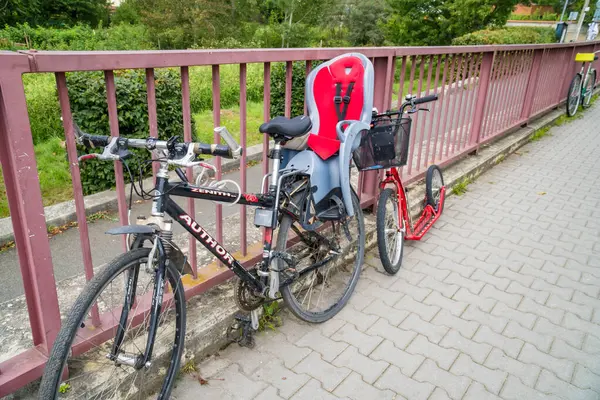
<point>564,10</point>
<point>581,17</point>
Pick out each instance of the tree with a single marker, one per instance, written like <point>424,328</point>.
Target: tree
<point>13,12</point>
<point>437,22</point>
<point>364,23</point>
<point>127,12</point>
<point>72,12</point>
<point>573,5</point>
<point>53,12</point>
<point>180,24</point>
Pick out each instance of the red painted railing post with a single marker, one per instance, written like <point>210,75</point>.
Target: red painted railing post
<point>20,172</point>
<point>485,75</point>
<point>532,84</point>
<point>381,99</point>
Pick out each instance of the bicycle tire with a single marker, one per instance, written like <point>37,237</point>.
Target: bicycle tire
<point>589,88</point>
<point>287,291</point>
<point>574,95</point>
<point>51,381</point>
<point>391,262</point>
<point>434,181</point>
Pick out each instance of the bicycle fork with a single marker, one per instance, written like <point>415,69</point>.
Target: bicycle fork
<point>139,361</point>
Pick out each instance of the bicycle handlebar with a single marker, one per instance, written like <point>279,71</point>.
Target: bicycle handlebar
<point>182,154</point>
<point>220,150</point>
<point>425,99</point>
<point>410,102</point>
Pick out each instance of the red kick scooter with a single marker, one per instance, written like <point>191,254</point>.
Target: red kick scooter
<point>385,146</point>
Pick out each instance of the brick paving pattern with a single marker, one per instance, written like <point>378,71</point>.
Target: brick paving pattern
<point>500,301</point>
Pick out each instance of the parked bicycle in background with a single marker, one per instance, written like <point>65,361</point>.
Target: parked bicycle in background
<point>583,84</point>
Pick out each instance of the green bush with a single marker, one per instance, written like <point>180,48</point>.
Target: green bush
<point>507,35</point>
<point>79,37</point>
<point>278,89</point>
<point>534,17</point>
<point>550,17</point>
<point>90,111</point>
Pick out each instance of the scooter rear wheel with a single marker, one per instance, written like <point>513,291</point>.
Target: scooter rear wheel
<point>434,182</point>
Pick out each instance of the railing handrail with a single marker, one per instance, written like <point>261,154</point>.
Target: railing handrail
<point>69,61</point>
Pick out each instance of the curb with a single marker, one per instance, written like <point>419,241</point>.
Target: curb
<point>64,213</point>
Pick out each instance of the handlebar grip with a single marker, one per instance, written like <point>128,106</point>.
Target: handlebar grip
<point>426,99</point>
<point>87,157</point>
<point>229,139</point>
<point>220,150</point>
<point>94,140</point>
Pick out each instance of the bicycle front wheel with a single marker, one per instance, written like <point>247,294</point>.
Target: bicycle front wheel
<point>92,375</point>
<point>318,293</point>
<point>390,231</point>
<point>590,80</point>
<point>574,96</point>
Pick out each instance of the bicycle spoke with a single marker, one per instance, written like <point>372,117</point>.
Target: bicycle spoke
<point>92,375</point>
<point>326,273</point>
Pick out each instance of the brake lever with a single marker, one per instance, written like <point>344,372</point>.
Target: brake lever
<point>111,152</point>
<point>187,160</point>
<point>424,109</point>
<point>85,157</point>
<point>124,154</point>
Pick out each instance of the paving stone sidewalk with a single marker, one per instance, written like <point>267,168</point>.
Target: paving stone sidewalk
<point>500,301</point>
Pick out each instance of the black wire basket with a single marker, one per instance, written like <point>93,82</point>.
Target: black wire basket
<point>385,145</point>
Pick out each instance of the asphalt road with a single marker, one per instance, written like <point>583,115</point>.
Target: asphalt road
<point>66,247</point>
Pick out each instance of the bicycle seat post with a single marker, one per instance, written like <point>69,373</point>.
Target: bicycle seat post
<point>276,156</point>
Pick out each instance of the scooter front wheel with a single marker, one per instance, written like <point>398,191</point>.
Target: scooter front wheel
<point>390,231</point>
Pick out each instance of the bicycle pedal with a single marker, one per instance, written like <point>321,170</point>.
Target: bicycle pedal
<point>242,318</point>
<point>241,331</point>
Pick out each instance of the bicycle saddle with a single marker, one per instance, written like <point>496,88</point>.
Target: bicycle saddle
<point>285,128</point>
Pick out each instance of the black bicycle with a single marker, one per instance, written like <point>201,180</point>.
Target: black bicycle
<point>124,336</point>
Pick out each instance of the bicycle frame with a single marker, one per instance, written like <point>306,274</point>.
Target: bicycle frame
<point>429,215</point>
<point>585,75</point>
<point>171,208</point>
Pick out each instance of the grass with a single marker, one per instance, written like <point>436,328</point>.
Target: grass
<point>540,133</point>
<point>269,319</point>
<point>189,367</point>
<point>53,173</point>
<point>460,188</point>
<point>231,119</point>
<point>64,388</point>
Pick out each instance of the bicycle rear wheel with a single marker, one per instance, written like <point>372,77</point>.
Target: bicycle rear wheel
<point>590,80</point>
<point>92,375</point>
<point>574,96</point>
<point>390,231</point>
<point>320,293</point>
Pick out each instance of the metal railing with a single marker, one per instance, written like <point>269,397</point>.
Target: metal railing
<point>484,92</point>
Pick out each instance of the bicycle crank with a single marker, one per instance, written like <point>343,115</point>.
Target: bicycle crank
<point>246,298</point>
